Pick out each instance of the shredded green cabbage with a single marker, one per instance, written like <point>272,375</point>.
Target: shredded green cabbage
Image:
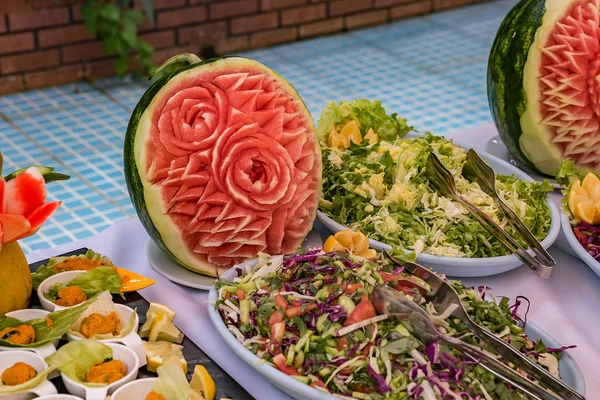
<point>381,190</point>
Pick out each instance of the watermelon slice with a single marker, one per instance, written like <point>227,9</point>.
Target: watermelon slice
<point>222,162</point>
<point>544,83</point>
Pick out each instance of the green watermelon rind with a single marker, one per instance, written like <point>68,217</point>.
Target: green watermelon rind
<point>132,177</point>
<point>508,56</point>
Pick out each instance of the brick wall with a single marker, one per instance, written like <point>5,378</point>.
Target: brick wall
<point>45,42</point>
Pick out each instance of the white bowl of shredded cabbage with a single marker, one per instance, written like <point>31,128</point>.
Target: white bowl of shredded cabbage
<point>458,266</point>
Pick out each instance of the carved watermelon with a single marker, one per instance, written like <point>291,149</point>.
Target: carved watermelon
<point>222,162</point>
<point>544,83</point>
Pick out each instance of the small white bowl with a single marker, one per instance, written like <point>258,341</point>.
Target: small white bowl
<point>45,387</point>
<point>134,390</point>
<point>25,315</point>
<point>63,277</point>
<point>576,248</point>
<point>59,396</point>
<point>131,340</point>
<point>120,352</point>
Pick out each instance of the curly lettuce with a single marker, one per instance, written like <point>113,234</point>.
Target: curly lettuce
<point>369,114</point>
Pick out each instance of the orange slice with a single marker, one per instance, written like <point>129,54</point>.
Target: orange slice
<point>371,136</point>
<point>591,184</point>
<point>351,132</point>
<point>355,243</point>
<point>584,199</point>
<point>132,281</point>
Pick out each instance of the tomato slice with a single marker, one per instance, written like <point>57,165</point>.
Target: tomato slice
<point>342,343</point>
<point>277,331</point>
<point>275,317</point>
<point>241,295</point>
<point>364,310</point>
<point>280,301</point>
<point>353,287</point>
<point>317,382</point>
<point>293,312</point>
<point>279,361</point>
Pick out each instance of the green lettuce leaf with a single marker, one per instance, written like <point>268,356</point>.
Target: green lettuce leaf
<point>369,114</point>
<point>172,383</point>
<point>47,270</point>
<point>61,321</point>
<point>569,173</point>
<point>103,306</point>
<point>91,282</point>
<point>75,358</point>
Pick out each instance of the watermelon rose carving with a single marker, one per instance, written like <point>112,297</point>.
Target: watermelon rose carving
<point>233,160</point>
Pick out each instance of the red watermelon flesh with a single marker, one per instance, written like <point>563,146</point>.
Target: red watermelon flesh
<point>25,193</point>
<point>237,162</point>
<point>569,77</point>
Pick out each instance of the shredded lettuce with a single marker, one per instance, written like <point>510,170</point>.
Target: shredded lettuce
<point>382,190</point>
<point>46,331</point>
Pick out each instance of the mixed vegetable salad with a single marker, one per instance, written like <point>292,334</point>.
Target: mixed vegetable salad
<point>310,315</point>
<point>374,181</point>
<point>582,205</point>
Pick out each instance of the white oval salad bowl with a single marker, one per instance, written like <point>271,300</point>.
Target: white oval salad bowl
<point>463,266</point>
<point>44,350</point>
<point>575,248</point>
<point>569,370</point>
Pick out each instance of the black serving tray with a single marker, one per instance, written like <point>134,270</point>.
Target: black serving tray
<point>227,387</point>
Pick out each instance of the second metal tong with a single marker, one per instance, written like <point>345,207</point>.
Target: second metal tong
<point>443,295</point>
<point>477,170</point>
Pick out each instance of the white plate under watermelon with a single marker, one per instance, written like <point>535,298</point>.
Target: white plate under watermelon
<point>164,264</point>
<point>470,267</point>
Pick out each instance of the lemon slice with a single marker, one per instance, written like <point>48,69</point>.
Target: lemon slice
<point>153,315</point>
<point>159,353</point>
<point>203,383</point>
<point>169,333</point>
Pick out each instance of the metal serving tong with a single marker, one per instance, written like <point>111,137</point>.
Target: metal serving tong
<point>442,295</point>
<point>477,170</point>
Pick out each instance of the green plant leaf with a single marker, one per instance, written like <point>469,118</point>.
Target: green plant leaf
<point>129,34</point>
<point>110,44</point>
<point>144,48</point>
<point>110,12</point>
<point>121,65</point>
<point>134,15</point>
<point>1,161</point>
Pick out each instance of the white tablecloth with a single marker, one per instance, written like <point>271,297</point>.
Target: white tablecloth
<point>567,306</point>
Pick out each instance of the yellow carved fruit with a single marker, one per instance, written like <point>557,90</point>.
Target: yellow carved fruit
<point>355,243</point>
<point>15,278</point>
